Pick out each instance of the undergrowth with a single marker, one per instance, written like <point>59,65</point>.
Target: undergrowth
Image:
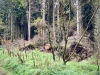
<point>38,63</point>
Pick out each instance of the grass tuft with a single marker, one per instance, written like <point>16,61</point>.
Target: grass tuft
<point>39,63</point>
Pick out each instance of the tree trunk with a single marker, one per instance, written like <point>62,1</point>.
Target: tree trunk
<point>43,11</point>
<point>77,17</point>
<point>57,12</point>
<point>66,35</point>
<point>43,8</point>
<point>52,49</point>
<point>11,27</point>
<point>54,33</point>
<point>29,22</point>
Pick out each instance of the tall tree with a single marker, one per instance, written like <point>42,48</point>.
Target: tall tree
<point>78,27</point>
<point>53,24</point>
<point>58,16</point>
<point>29,14</point>
<point>43,8</point>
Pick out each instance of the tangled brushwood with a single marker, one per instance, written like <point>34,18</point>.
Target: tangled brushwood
<point>76,52</point>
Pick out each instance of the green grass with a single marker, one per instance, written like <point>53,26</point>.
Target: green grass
<point>42,64</point>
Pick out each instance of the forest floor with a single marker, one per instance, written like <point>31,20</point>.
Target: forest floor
<point>39,63</point>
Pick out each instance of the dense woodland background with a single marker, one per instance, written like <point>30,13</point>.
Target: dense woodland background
<point>66,28</point>
<point>17,15</point>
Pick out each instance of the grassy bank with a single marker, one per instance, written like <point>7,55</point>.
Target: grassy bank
<point>38,63</point>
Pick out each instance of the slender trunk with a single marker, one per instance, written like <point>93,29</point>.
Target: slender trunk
<point>15,31</point>
<point>98,68</point>
<point>11,21</point>
<point>66,35</point>
<point>98,51</point>
<point>43,11</point>
<point>11,27</point>
<point>29,23</point>
<point>49,39</point>
<point>42,30</point>
<point>18,31</point>
<point>65,39</point>
<point>77,17</point>
<point>54,33</point>
<point>98,31</point>
<point>58,13</point>
<point>51,44</point>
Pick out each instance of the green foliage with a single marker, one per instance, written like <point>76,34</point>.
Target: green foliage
<point>12,7</point>
<point>22,3</point>
<point>38,22</point>
<point>42,64</point>
<point>4,6</point>
<point>13,13</point>
<point>19,10</point>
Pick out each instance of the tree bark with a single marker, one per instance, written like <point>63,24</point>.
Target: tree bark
<point>43,11</point>
<point>77,17</point>
<point>29,22</point>
<point>11,26</point>
<point>57,12</point>
<point>54,33</point>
